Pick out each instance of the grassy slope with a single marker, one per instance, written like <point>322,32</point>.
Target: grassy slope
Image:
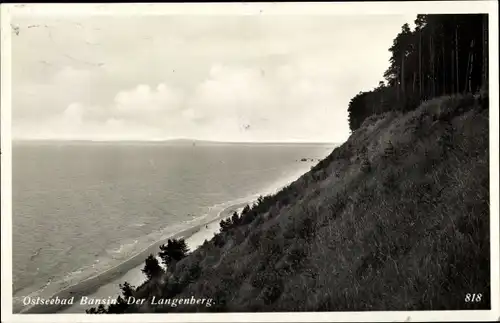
<point>397,218</point>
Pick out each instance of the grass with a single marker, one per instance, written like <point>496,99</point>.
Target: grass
<point>397,218</point>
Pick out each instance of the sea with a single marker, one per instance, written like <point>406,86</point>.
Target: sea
<point>81,208</point>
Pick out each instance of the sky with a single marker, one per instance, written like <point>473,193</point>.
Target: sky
<point>225,78</point>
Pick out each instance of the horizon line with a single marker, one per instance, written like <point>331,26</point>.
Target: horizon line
<point>172,140</point>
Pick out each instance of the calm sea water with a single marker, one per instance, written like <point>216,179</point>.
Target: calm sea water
<point>81,208</point>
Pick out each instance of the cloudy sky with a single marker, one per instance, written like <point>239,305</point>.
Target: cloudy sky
<point>227,78</point>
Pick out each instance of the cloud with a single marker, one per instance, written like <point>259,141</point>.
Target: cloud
<point>251,104</point>
<point>73,113</point>
<point>219,78</point>
<point>146,104</point>
<point>38,100</point>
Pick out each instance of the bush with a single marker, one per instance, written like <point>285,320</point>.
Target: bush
<point>446,140</point>
<point>219,240</point>
<point>120,307</point>
<point>366,166</point>
<point>101,309</point>
<point>187,274</point>
<point>171,288</point>
<point>193,272</point>
<point>272,291</point>
<point>254,239</point>
<point>307,228</point>
<point>296,256</point>
<point>389,150</point>
<point>248,217</point>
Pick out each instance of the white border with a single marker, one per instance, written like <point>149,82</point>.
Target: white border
<point>360,8</point>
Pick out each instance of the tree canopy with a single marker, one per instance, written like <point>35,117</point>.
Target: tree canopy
<point>444,54</point>
<point>152,268</point>
<point>173,251</point>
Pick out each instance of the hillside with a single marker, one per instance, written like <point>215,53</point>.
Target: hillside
<point>395,218</point>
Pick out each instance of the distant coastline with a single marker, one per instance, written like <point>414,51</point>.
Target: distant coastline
<point>180,142</point>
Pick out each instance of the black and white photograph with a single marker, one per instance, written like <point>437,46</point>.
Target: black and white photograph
<point>330,161</point>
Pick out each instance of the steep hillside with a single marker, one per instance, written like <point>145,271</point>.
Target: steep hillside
<point>396,218</point>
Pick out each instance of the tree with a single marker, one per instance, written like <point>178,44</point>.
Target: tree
<point>152,268</point>
<point>246,209</point>
<point>419,25</point>
<point>127,290</point>
<point>444,54</point>
<point>235,219</point>
<point>173,251</point>
<point>226,224</point>
<point>485,50</point>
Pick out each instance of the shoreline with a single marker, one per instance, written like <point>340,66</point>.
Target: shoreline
<point>92,284</point>
<point>136,277</point>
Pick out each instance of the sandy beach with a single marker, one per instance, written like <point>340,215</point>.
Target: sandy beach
<point>106,284</point>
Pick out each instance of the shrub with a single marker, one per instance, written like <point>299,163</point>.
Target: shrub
<point>296,256</point>
<point>390,183</point>
<point>272,291</point>
<point>120,307</point>
<point>101,309</point>
<point>254,239</point>
<point>219,240</point>
<point>171,288</point>
<point>446,140</point>
<point>248,217</point>
<point>307,229</point>
<point>258,221</point>
<point>366,166</point>
<point>190,273</point>
<point>389,150</point>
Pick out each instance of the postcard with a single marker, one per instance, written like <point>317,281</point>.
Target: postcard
<point>250,162</point>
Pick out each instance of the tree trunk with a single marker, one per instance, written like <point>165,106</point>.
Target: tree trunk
<point>443,67</point>
<point>470,73</point>
<point>413,85</point>
<point>432,85</point>
<point>467,85</point>
<point>420,81</point>
<point>456,62</point>
<point>398,87</point>
<point>403,74</point>
<point>471,66</point>
<point>466,75</point>
<point>485,51</point>
<point>452,70</point>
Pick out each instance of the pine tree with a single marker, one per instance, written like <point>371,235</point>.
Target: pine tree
<point>235,219</point>
<point>127,290</point>
<point>173,251</point>
<point>152,268</point>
